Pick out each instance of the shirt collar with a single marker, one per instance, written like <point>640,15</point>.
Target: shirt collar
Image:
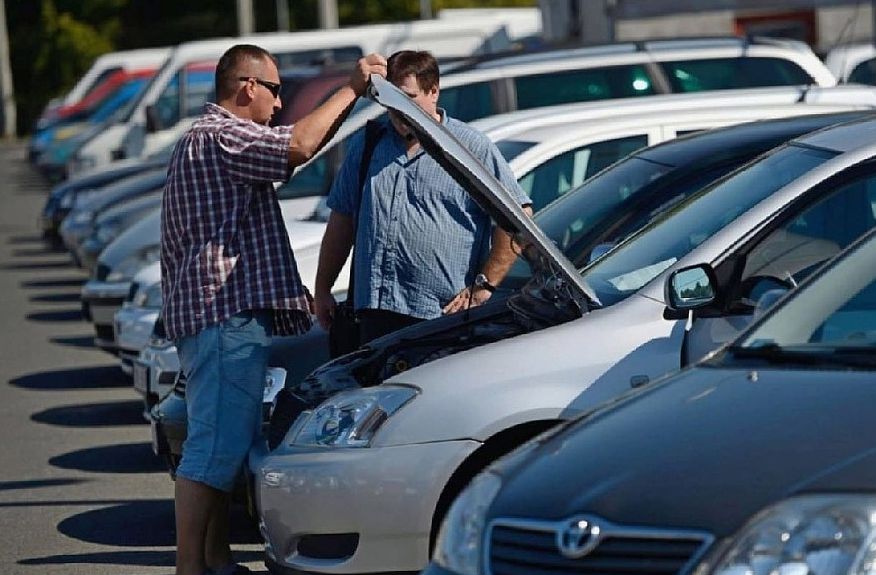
<point>216,109</point>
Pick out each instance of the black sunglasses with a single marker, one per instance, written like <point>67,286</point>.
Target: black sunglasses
<point>271,86</point>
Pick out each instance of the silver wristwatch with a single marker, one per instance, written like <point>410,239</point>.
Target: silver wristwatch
<point>481,281</point>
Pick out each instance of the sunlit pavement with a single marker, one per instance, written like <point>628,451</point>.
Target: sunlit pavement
<point>80,491</point>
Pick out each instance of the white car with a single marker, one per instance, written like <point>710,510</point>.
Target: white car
<point>854,62</point>
<point>360,482</point>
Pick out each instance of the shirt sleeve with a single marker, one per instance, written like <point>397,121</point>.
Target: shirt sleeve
<point>344,195</point>
<point>255,154</point>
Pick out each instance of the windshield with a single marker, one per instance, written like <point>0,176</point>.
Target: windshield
<point>510,149</point>
<point>678,231</point>
<point>836,314</point>
<point>125,117</point>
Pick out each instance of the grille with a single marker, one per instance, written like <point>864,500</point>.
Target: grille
<point>532,548</point>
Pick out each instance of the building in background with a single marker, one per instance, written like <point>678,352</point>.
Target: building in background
<point>820,23</point>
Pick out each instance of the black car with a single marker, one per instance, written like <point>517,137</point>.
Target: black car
<point>758,460</point>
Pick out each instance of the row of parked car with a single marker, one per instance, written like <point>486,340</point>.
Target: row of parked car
<point>666,224</point>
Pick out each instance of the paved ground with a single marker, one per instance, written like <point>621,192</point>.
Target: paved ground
<point>80,491</point>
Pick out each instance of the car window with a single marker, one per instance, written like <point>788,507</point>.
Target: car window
<point>510,149</point>
<point>167,104</point>
<point>864,73</point>
<point>311,180</point>
<point>797,248</point>
<point>675,233</point>
<point>200,88</point>
<point>469,102</point>
<point>317,56</point>
<point>568,170</point>
<point>582,85</point>
<point>733,73</point>
<point>836,311</point>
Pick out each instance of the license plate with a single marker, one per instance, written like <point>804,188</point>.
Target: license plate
<point>141,377</point>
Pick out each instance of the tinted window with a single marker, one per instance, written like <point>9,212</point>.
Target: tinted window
<point>836,311</point>
<point>468,102</point>
<point>815,235</point>
<point>864,73</point>
<point>732,73</point>
<point>582,86</point>
<point>561,173</point>
<point>311,180</point>
<point>318,56</point>
<point>200,88</point>
<point>510,149</point>
<point>678,231</point>
<point>167,104</point>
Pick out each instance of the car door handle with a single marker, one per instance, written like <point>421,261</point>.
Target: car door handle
<point>639,380</point>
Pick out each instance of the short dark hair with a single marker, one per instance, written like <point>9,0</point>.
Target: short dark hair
<point>229,64</point>
<point>420,64</point>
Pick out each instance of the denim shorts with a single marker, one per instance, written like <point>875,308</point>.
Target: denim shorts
<point>225,365</point>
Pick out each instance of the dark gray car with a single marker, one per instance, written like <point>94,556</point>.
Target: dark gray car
<point>758,460</point>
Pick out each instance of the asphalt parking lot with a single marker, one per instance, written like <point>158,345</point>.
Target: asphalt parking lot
<point>80,490</point>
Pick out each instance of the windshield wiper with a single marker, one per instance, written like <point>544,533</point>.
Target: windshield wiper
<point>818,355</point>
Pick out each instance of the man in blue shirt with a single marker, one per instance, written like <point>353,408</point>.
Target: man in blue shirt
<point>423,246</point>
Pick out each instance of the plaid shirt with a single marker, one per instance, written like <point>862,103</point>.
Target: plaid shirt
<point>224,246</point>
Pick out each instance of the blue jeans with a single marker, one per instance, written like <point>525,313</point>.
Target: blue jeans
<point>225,365</point>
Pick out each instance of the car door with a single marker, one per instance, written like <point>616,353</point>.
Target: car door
<point>809,232</point>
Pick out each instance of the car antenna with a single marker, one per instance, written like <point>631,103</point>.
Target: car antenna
<point>849,27</point>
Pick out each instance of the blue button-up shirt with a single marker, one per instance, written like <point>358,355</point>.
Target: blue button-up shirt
<point>420,237</point>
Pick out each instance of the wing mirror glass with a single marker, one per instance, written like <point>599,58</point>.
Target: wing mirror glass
<point>691,288</point>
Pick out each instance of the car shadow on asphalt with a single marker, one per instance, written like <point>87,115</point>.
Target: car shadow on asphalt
<point>120,458</point>
<point>33,266</point>
<point>71,297</point>
<point>106,414</point>
<point>61,315</point>
<point>80,341</point>
<point>147,523</point>
<point>37,483</point>
<point>54,283</point>
<point>25,239</point>
<point>37,252</point>
<point>97,377</point>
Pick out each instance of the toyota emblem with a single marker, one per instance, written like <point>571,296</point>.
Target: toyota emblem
<point>577,538</point>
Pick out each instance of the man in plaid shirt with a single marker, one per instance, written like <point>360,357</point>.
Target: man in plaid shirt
<point>229,279</point>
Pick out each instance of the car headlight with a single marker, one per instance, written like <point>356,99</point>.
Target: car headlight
<point>128,268</point>
<point>458,548</point>
<point>819,534</point>
<point>149,297</point>
<point>351,418</point>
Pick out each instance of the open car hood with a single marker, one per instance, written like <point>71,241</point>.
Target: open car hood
<point>487,191</point>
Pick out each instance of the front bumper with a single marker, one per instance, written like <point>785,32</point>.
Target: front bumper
<point>155,372</point>
<point>100,302</point>
<point>133,328</point>
<point>375,505</point>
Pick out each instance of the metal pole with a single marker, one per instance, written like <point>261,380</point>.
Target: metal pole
<point>328,13</point>
<point>7,93</point>
<point>426,9</point>
<point>873,22</point>
<point>282,15</point>
<point>245,18</point>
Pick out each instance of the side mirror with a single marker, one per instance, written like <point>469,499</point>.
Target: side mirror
<point>691,288</point>
<point>153,121</point>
